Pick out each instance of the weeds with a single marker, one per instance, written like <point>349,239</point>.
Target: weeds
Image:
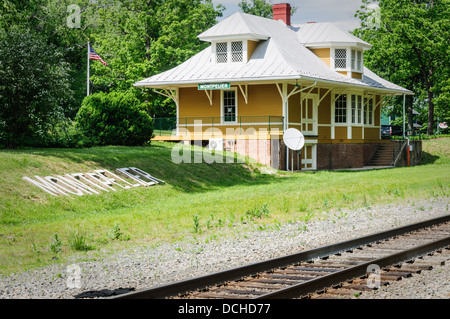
<point>258,212</point>
<point>196,223</point>
<point>78,242</point>
<point>56,244</point>
<point>116,234</point>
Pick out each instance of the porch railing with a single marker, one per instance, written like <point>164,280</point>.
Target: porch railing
<point>236,124</point>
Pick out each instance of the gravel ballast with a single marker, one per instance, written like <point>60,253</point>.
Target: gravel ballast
<point>142,268</point>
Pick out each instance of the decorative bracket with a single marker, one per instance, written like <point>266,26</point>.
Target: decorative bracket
<point>170,93</point>
<point>244,93</point>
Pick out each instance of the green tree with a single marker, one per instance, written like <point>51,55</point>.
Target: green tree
<point>410,47</point>
<point>34,87</point>
<point>140,38</point>
<point>51,21</point>
<point>260,8</point>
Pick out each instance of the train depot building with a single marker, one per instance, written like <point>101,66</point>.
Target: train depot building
<point>260,77</point>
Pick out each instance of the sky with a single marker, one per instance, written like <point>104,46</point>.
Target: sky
<point>340,12</point>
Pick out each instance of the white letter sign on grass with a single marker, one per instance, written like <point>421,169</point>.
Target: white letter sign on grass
<point>80,184</point>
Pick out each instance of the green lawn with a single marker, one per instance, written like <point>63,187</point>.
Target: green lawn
<point>196,199</point>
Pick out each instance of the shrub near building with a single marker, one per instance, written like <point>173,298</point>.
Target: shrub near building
<point>114,119</point>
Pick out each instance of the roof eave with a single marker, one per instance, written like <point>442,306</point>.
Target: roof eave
<point>320,45</point>
<point>243,36</point>
<point>158,85</point>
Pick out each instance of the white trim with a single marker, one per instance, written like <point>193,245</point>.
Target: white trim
<point>229,51</point>
<point>333,59</point>
<point>222,116</point>
<point>210,96</point>
<point>349,67</point>
<point>271,80</point>
<point>236,37</point>
<point>326,45</point>
<point>244,94</point>
<point>315,119</point>
<point>313,160</point>
<point>174,94</point>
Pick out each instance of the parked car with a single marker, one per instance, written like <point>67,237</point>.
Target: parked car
<point>391,130</point>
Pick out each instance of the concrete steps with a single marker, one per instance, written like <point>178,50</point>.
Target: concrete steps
<point>384,155</point>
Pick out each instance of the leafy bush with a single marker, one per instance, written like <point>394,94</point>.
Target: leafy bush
<point>34,89</point>
<point>114,119</point>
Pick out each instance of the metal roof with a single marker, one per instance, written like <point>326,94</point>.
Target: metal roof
<point>326,35</point>
<point>236,25</point>
<point>282,56</point>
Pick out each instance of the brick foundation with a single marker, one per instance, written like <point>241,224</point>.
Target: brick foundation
<point>329,156</point>
<point>258,150</point>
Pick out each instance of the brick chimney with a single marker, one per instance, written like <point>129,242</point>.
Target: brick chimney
<point>282,11</point>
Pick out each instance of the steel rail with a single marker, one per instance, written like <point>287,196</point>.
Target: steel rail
<point>322,282</point>
<point>183,286</point>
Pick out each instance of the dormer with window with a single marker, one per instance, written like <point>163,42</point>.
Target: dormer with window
<point>347,61</point>
<point>235,47</point>
<point>231,51</point>
<point>340,50</point>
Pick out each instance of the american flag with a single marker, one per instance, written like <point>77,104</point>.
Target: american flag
<point>95,56</point>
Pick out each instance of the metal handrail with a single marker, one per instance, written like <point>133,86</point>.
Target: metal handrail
<point>398,150</point>
<point>165,126</point>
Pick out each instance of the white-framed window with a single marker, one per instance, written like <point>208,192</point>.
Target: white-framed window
<point>340,58</point>
<point>357,109</point>
<point>340,108</point>
<point>368,111</point>
<point>353,59</point>
<point>347,59</point>
<point>359,61</point>
<point>229,106</point>
<point>237,51</point>
<point>222,52</point>
<point>226,52</point>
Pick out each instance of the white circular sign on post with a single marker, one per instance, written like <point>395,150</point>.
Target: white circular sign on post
<point>294,139</point>
<point>443,125</point>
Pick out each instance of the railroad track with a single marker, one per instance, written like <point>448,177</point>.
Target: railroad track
<point>340,270</point>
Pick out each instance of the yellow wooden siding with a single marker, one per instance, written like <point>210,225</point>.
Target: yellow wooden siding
<point>263,100</point>
<point>324,111</point>
<point>251,46</point>
<point>324,132</point>
<point>294,107</point>
<point>357,75</point>
<point>195,103</point>
<point>377,111</point>
<point>356,133</point>
<point>340,132</point>
<point>371,133</point>
<point>323,54</point>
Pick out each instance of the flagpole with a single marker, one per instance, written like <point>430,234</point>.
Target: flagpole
<point>88,47</point>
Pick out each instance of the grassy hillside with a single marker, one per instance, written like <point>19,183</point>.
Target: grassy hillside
<point>196,199</point>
